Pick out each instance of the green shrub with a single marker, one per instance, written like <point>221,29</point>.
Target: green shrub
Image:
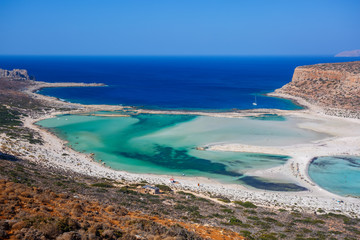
<point>187,194</point>
<point>225,200</point>
<point>103,185</point>
<point>226,210</point>
<point>309,221</point>
<point>9,117</point>
<point>234,221</point>
<point>164,188</point>
<point>202,199</point>
<point>180,207</point>
<point>353,230</point>
<point>320,210</point>
<point>269,219</point>
<point>216,215</point>
<point>126,190</point>
<point>250,211</point>
<point>246,234</point>
<point>268,236</point>
<point>245,204</point>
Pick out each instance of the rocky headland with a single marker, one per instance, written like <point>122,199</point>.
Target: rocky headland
<point>334,87</point>
<point>15,74</point>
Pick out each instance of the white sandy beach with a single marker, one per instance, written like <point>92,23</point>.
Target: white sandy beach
<point>345,140</point>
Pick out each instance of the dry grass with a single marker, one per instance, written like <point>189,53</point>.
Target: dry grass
<point>34,213</point>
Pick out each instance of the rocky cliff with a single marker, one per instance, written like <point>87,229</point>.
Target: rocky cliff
<point>15,74</point>
<point>329,85</point>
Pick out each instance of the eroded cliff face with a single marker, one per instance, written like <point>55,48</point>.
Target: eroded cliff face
<point>15,74</point>
<point>330,85</point>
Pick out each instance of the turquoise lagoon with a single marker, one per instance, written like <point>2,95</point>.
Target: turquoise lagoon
<point>166,144</point>
<point>337,174</point>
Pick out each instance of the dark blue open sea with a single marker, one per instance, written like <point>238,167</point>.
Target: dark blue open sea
<point>206,83</point>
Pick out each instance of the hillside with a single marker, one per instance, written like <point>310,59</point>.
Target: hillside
<point>34,213</point>
<point>37,202</point>
<point>332,86</point>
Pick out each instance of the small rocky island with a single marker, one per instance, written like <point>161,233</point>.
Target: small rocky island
<point>335,87</point>
<point>352,53</point>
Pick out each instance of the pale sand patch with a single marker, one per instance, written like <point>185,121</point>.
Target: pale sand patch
<point>76,107</point>
<point>345,140</point>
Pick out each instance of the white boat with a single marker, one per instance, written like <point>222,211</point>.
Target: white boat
<point>255,103</point>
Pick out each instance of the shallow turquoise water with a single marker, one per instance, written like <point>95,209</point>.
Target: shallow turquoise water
<point>337,174</point>
<point>166,144</point>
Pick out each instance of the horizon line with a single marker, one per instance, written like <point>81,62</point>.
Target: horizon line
<point>168,55</point>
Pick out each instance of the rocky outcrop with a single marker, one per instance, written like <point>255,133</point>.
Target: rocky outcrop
<point>352,53</point>
<point>15,74</point>
<point>332,86</point>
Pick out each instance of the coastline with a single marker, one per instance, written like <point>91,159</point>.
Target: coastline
<point>310,200</point>
<point>35,86</point>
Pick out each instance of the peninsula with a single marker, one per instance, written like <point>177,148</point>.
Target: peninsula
<point>332,87</point>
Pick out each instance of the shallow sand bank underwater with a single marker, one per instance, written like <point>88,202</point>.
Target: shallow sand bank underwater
<point>169,144</point>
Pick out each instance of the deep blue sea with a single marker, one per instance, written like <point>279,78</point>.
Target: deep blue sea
<point>207,83</point>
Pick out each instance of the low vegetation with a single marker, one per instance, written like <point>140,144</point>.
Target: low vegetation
<point>103,185</point>
<point>245,204</point>
<point>43,213</point>
<point>11,124</point>
<point>85,200</point>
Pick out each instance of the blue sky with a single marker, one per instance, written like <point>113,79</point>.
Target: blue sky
<point>174,27</point>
